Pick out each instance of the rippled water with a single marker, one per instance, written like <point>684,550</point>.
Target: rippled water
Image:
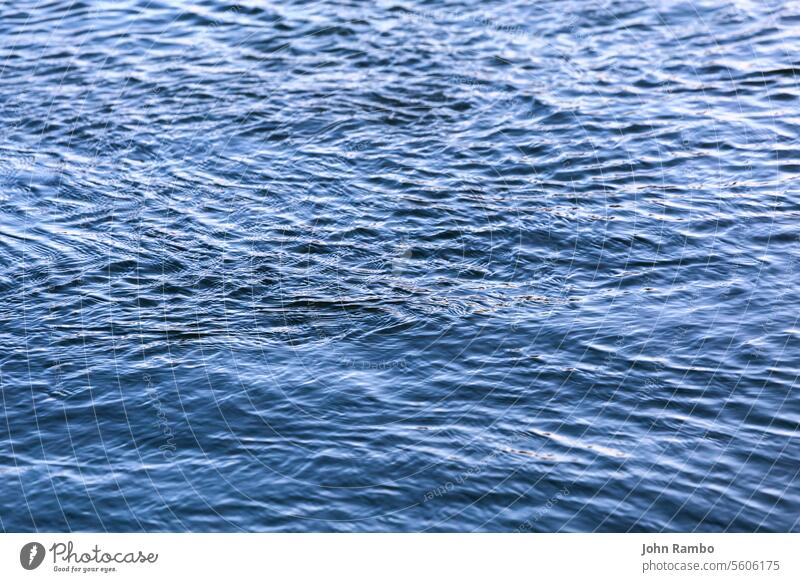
<point>506,266</point>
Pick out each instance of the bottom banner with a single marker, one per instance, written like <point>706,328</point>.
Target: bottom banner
<point>354,557</point>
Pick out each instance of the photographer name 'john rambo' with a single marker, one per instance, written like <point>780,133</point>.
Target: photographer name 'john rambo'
<point>648,549</point>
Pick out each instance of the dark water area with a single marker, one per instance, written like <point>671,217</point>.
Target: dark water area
<point>399,266</point>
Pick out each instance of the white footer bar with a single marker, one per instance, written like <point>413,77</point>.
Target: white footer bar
<point>406,557</point>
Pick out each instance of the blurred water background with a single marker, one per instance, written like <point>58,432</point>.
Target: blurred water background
<point>399,266</point>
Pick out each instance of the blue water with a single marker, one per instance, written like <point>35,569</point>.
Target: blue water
<point>399,266</point>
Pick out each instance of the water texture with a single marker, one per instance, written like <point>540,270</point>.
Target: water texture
<point>399,266</point>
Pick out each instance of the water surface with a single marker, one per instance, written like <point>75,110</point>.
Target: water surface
<point>399,266</point>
